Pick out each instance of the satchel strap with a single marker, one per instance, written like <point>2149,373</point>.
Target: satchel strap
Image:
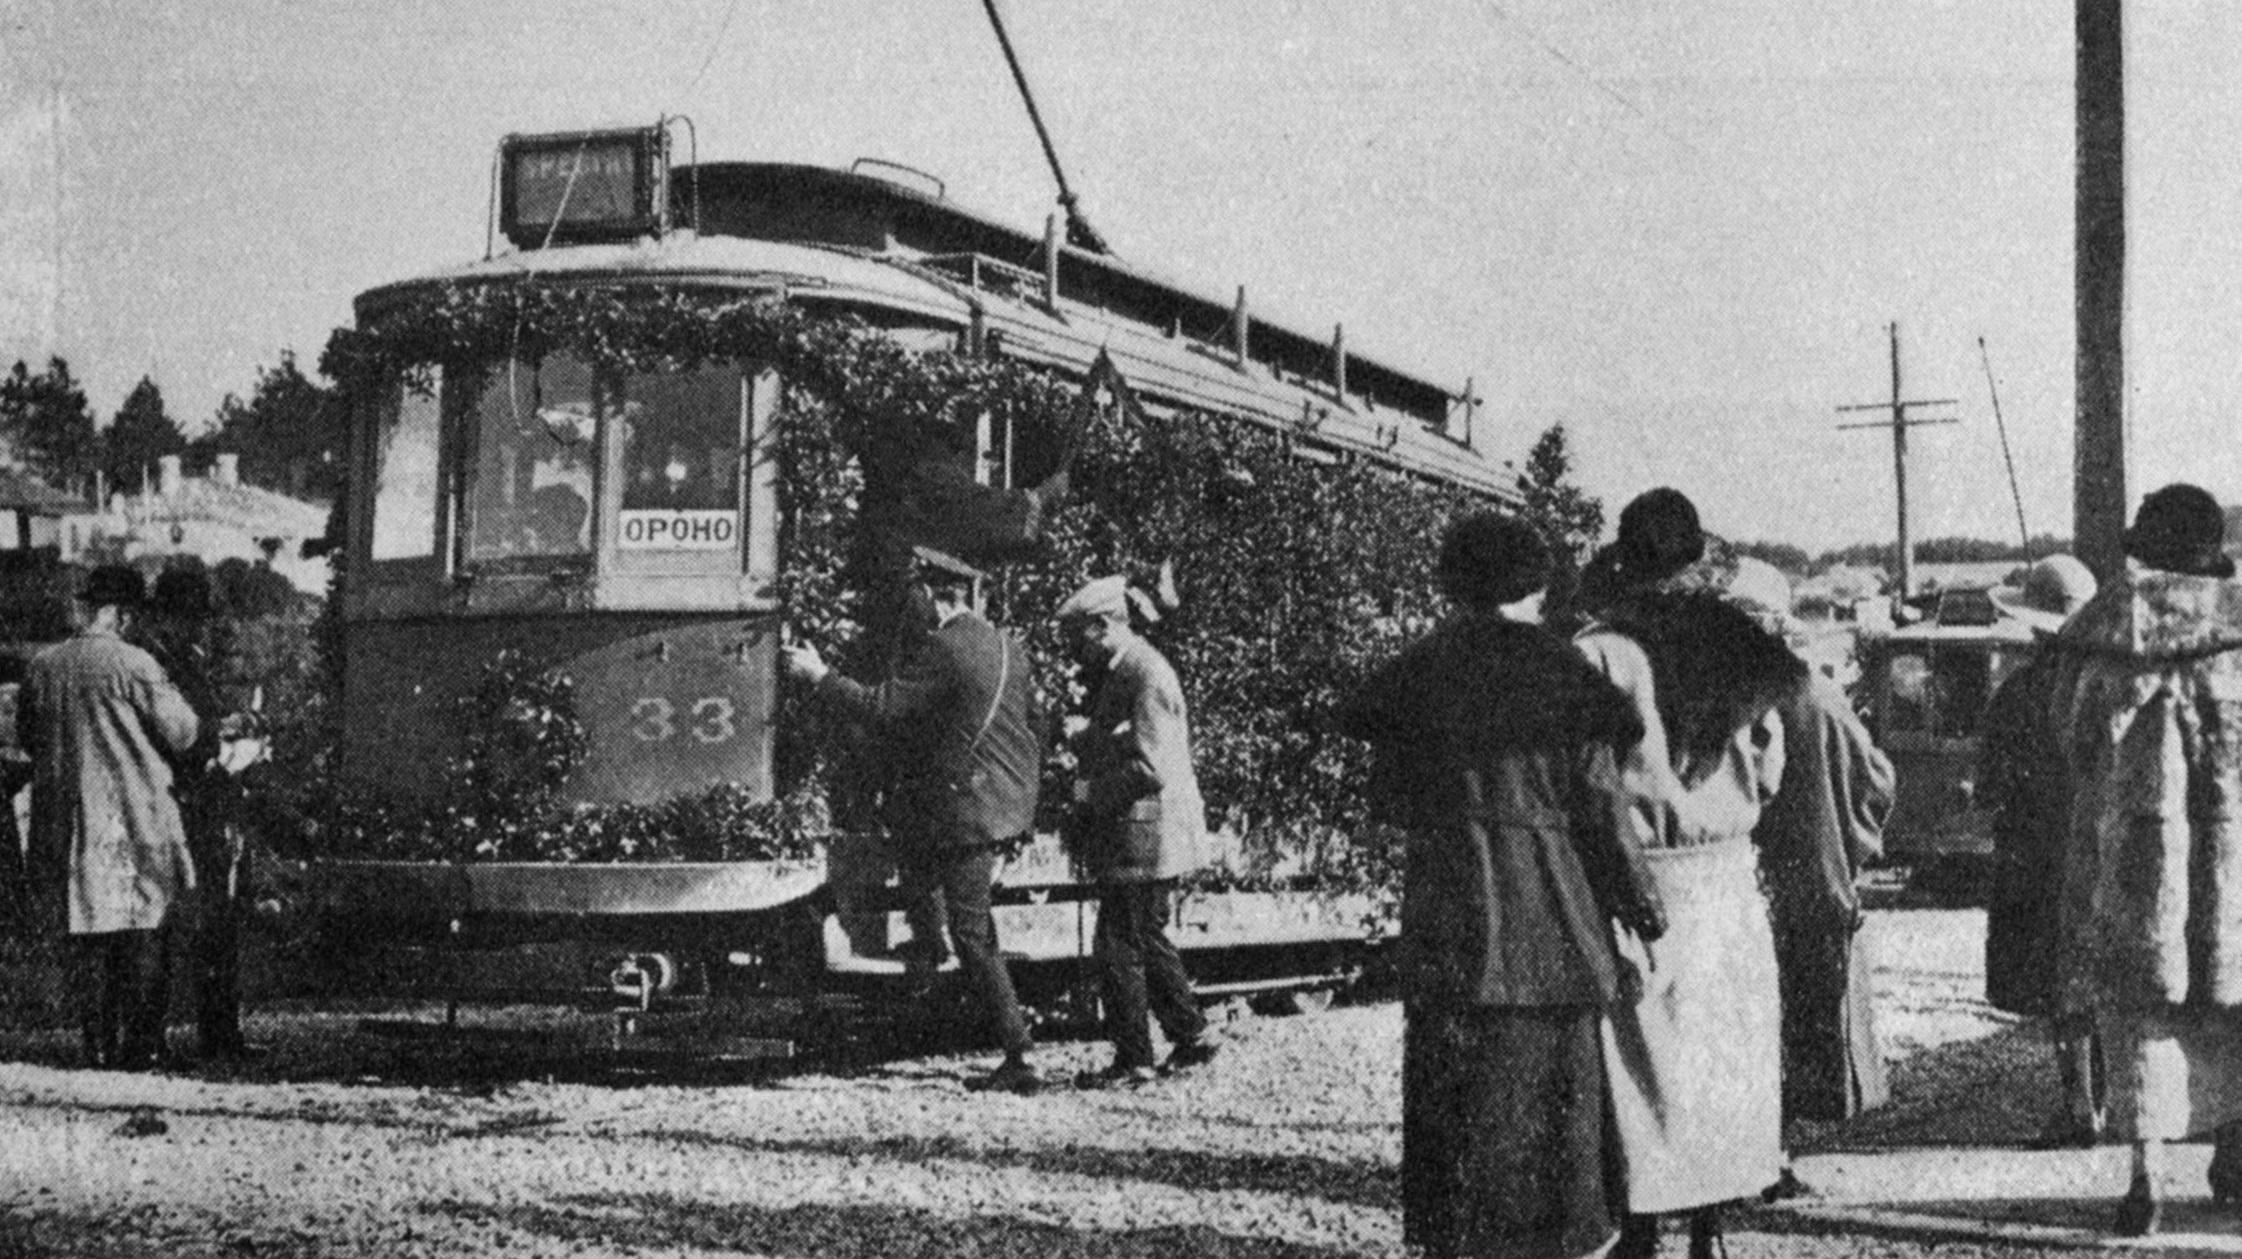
<point>996,698</point>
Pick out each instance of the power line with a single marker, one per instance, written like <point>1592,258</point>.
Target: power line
<point>713,44</point>
<point>1606,90</point>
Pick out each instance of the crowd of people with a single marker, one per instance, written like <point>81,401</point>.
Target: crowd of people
<point>134,847</point>
<point>1608,1019</point>
<point>1631,935</point>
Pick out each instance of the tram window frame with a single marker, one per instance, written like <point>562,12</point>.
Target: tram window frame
<point>470,447</point>
<point>379,422</point>
<point>725,561</point>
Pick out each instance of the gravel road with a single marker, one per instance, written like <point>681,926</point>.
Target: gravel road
<point>340,1143</point>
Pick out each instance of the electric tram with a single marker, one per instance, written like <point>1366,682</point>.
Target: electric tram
<point>626,529</point>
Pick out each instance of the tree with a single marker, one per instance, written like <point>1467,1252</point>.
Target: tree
<point>140,435</point>
<point>291,434</point>
<point>45,418</point>
<point>1570,518</point>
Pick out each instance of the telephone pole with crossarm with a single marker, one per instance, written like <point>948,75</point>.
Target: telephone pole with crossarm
<point>1899,424</point>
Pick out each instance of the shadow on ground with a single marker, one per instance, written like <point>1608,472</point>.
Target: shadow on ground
<point>818,1231</point>
<point>1357,1184</point>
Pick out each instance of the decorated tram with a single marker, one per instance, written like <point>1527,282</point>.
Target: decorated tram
<point>681,409</point>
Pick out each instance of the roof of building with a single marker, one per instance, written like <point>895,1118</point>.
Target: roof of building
<point>22,492</point>
<point>257,512</point>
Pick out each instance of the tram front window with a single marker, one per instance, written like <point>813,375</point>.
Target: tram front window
<point>681,461</point>
<point>535,446</point>
<point>407,442</point>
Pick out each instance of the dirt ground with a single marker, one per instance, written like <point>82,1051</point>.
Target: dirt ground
<point>522,1137</point>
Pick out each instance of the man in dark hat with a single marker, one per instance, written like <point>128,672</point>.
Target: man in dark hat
<point>101,721</point>
<point>966,765</point>
<point>185,633</point>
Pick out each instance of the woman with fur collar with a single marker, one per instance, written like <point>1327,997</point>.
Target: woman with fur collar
<point>2149,703</point>
<point>1695,1060</point>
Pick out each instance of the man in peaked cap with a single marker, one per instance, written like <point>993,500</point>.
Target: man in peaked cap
<point>966,763</point>
<point>100,720</point>
<point>1138,824</point>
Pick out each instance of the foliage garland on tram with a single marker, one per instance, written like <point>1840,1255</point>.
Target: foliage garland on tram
<point>1295,575</point>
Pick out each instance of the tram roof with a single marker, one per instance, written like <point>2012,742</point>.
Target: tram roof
<point>1387,416</point>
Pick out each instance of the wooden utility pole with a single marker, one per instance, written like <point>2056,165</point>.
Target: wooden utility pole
<point>2098,280</point>
<point>1899,424</point>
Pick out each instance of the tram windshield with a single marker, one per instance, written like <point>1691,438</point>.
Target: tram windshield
<point>535,447</point>
<point>530,448</point>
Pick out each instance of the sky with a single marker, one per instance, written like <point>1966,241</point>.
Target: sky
<point>1682,228</point>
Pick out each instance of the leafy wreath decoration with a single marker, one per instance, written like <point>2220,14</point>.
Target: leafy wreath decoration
<point>1308,574</point>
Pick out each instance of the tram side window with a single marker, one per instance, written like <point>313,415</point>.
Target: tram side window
<point>681,461</point>
<point>535,442</point>
<point>407,442</point>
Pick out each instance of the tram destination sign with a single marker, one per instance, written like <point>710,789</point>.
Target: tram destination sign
<point>582,186</point>
<point>669,529</point>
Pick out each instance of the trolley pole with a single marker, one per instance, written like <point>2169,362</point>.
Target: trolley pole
<point>1899,424</point>
<point>2098,279</point>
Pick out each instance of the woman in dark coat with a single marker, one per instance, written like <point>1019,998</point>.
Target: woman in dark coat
<point>1495,755</point>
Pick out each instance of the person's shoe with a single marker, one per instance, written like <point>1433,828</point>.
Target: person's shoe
<point>1638,1238</point>
<point>1011,1076</point>
<point>2139,1214</point>
<point>1705,1237</point>
<point>1188,1054</point>
<point>1786,1187</point>
<point>2067,1132</point>
<point>1115,1077</point>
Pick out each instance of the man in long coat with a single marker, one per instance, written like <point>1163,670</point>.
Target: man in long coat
<point>1138,824</point>
<point>2150,705</point>
<point>1495,754</point>
<point>99,719</point>
<point>966,761</point>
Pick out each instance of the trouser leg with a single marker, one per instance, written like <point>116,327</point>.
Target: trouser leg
<point>217,953</point>
<point>218,978</point>
<point>1167,984</point>
<point>918,876</point>
<point>147,975</point>
<point>965,888</point>
<point>2077,1064</point>
<point>1120,948</point>
<point>100,984</point>
<point>2226,1163</point>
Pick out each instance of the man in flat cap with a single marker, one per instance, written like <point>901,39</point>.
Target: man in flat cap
<point>1138,825</point>
<point>962,785</point>
<point>100,719</point>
